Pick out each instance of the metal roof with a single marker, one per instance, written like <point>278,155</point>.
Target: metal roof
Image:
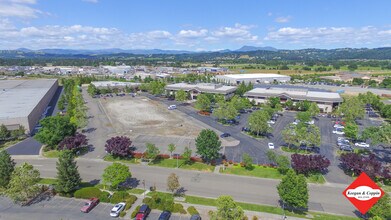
<point>255,76</point>
<point>202,87</point>
<point>18,98</point>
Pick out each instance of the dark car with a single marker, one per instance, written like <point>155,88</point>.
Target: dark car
<point>246,129</point>
<point>346,148</point>
<point>165,215</point>
<point>223,135</point>
<point>171,98</point>
<point>242,111</point>
<point>232,122</point>
<point>89,205</point>
<point>195,217</point>
<point>143,212</point>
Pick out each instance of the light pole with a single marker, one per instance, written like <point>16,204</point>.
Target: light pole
<point>144,188</point>
<point>177,162</point>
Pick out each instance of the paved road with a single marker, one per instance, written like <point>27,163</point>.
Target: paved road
<point>326,197</point>
<point>30,146</point>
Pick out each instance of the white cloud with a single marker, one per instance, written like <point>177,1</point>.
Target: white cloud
<point>239,33</point>
<point>18,8</point>
<point>283,19</point>
<point>330,36</point>
<point>90,1</point>
<point>193,33</point>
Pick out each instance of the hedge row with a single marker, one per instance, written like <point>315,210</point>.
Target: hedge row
<point>88,192</point>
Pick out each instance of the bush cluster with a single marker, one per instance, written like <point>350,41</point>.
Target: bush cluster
<point>130,201</point>
<point>122,214</point>
<point>134,213</point>
<point>118,197</point>
<point>178,208</point>
<point>161,202</point>
<point>104,196</point>
<point>88,192</point>
<point>192,210</point>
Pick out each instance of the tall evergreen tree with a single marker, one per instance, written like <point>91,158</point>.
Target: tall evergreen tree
<point>67,174</point>
<point>7,166</point>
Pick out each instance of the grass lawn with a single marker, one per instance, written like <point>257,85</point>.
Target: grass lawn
<point>267,172</point>
<point>385,188</point>
<point>258,171</point>
<point>52,154</point>
<point>48,181</point>
<point>136,191</point>
<point>122,160</point>
<point>172,163</point>
<point>321,216</point>
<point>9,143</point>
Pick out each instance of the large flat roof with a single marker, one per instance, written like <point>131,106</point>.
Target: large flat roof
<point>300,94</point>
<point>18,98</point>
<point>255,75</point>
<point>203,87</point>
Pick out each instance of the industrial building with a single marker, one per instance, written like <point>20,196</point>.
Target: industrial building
<point>195,89</point>
<point>254,78</point>
<point>114,84</point>
<point>23,102</point>
<point>326,101</point>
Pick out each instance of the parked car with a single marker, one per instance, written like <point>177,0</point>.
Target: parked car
<point>346,148</point>
<point>224,135</point>
<point>143,212</point>
<point>232,122</point>
<point>342,138</point>
<point>361,144</point>
<point>271,122</point>
<point>338,131</point>
<point>270,145</point>
<point>296,121</point>
<point>342,142</point>
<point>195,217</point>
<point>310,122</point>
<point>338,126</point>
<point>165,215</point>
<point>89,205</point>
<point>171,107</point>
<point>246,129</point>
<point>117,209</point>
<point>242,111</point>
<point>171,98</point>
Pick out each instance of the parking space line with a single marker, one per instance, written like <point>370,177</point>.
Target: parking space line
<point>66,206</point>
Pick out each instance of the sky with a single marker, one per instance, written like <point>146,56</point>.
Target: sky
<point>195,25</point>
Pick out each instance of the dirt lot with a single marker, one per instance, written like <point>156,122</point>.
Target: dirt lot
<point>140,115</point>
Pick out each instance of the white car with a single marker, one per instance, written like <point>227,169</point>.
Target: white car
<point>361,144</point>
<point>338,131</point>
<point>171,107</point>
<point>296,122</point>
<point>270,145</point>
<point>338,126</point>
<point>343,139</point>
<point>271,122</point>
<point>310,122</point>
<point>117,209</point>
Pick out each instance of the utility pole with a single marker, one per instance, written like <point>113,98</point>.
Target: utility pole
<point>144,188</point>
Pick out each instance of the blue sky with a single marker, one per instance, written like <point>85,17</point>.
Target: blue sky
<point>194,24</point>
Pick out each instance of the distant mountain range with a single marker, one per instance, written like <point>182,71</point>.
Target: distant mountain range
<point>252,52</point>
<point>135,51</point>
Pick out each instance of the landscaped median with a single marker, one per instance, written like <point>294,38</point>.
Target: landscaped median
<point>212,202</point>
<point>264,171</point>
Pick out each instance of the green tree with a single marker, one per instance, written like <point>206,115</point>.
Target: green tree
<point>55,129</point>
<point>311,135</point>
<point>181,95</point>
<point>225,111</point>
<point>208,145</point>
<point>380,134</point>
<point>289,104</point>
<point>357,81</point>
<point>21,131</point>
<point>240,102</point>
<point>248,161</point>
<point>304,116</point>
<point>68,177</point>
<point>273,101</point>
<point>241,89</point>
<point>203,103</point>
<point>303,105</point>
<point>23,184</point>
<point>92,90</point>
<point>289,135</point>
<point>115,174</point>
<point>351,130</point>
<point>227,208</point>
<point>293,190</point>
<point>314,109</point>
<point>171,148</point>
<point>382,208</point>
<point>351,108</point>
<point>271,156</point>
<point>4,132</point>
<point>283,164</point>
<point>352,67</point>
<point>257,122</point>
<point>152,151</point>
<point>173,182</point>
<point>187,155</point>
<point>7,166</point>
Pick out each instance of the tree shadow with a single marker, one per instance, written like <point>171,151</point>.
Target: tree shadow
<point>180,192</point>
<point>88,130</point>
<point>130,183</point>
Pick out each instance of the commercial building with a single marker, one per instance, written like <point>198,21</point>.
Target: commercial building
<point>114,84</point>
<point>195,89</point>
<point>23,102</point>
<point>326,101</point>
<point>254,78</point>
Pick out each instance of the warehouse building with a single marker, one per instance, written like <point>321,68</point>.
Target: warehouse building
<point>326,101</point>
<point>254,78</point>
<point>114,84</point>
<point>195,89</point>
<point>22,102</point>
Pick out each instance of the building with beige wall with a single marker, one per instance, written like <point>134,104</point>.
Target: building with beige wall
<point>22,102</point>
<point>195,89</point>
<point>326,101</point>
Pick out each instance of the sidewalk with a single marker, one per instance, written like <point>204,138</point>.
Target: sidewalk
<point>138,202</point>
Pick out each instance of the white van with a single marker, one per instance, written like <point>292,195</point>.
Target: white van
<point>171,107</point>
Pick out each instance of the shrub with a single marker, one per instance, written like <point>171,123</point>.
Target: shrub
<point>122,214</point>
<point>88,192</point>
<point>306,164</point>
<point>196,159</point>
<point>138,155</point>
<point>130,201</point>
<point>163,156</point>
<point>192,210</point>
<point>104,196</point>
<point>119,197</point>
<point>134,213</point>
<point>245,218</point>
<point>178,208</point>
<point>255,218</point>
